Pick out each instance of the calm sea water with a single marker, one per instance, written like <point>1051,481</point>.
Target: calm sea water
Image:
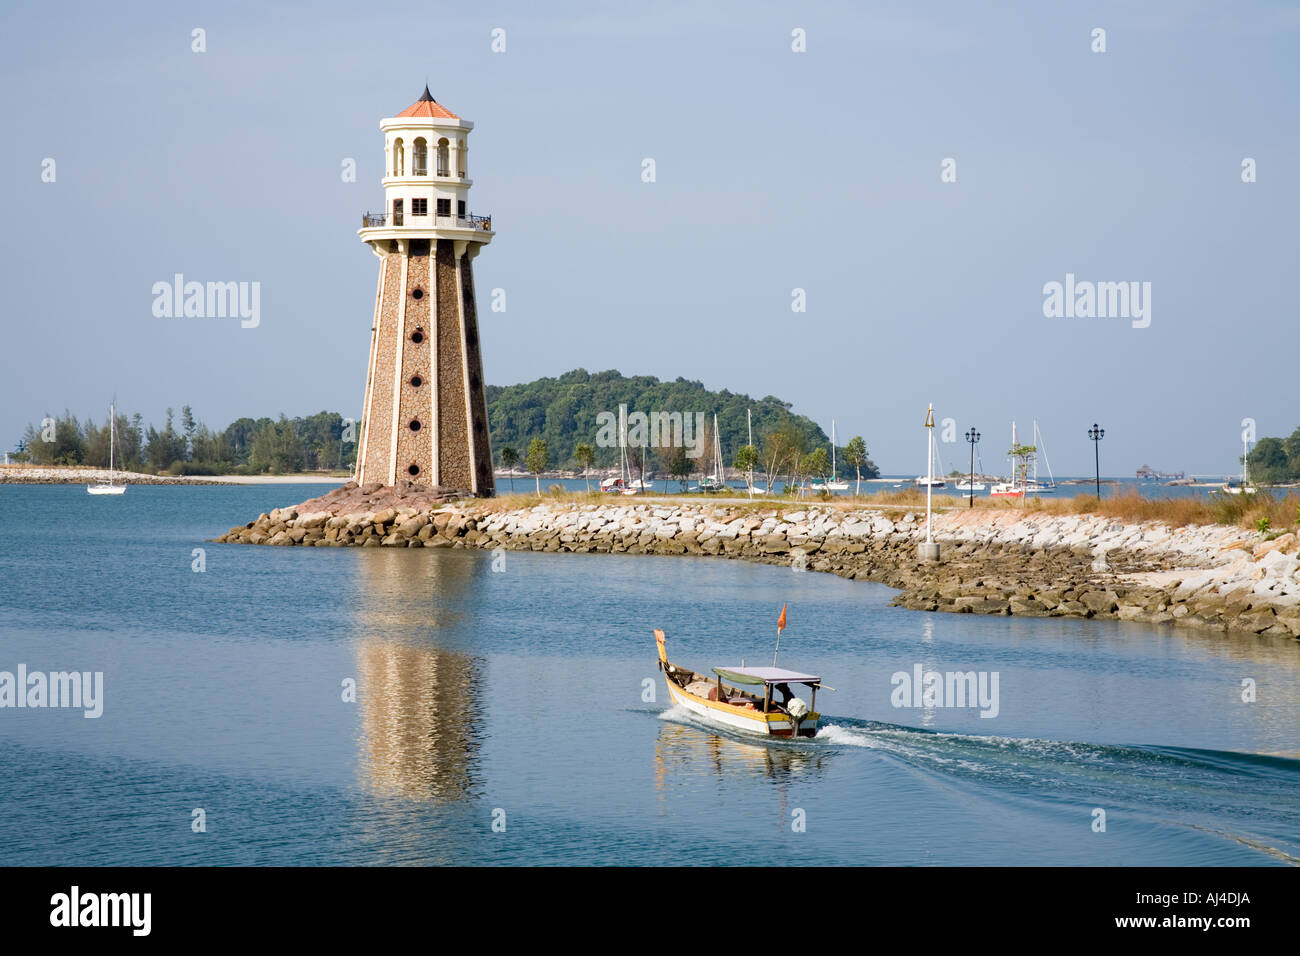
<point>519,696</point>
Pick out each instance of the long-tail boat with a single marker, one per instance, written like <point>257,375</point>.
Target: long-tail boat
<point>744,698</point>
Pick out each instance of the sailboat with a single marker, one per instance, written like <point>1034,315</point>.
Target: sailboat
<point>105,486</point>
<point>835,484</point>
<point>619,485</point>
<point>749,421</point>
<point>638,486</point>
<point>1245,488</point>
<point>969,485</point>
<point>1034,486</point>
<point>931,479</point>
<point>1009,489</point>
<point>716,481</point>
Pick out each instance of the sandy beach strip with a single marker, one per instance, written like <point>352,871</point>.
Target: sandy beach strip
<point>50,475</point>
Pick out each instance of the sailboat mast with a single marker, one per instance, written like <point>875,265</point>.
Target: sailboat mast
<point>1042,450</point>
<point>1035,456</point>
<point>1014,460</point>
<point>623,465</point>
<point>717,449</point>
<point>749,422</point>
<point>832,449</point>
<point>112,435</point>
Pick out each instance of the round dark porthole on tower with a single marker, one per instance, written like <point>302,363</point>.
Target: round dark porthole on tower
<point>413,470</point>
<point>416,381</point>
<point>417,293</point>
<point>415,425</point>
<point>417,336</point>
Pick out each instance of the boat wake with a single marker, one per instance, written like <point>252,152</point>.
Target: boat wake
<point>1211,791</point>
<point>843,736</point>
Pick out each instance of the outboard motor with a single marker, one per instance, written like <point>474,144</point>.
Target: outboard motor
<point>798,710</point>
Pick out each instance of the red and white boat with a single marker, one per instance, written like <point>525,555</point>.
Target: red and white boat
<point>1006,489</point>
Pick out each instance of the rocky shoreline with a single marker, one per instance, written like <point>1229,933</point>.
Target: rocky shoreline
<point>993,562</point>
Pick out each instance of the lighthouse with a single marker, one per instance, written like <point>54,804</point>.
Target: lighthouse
<point>425,414</point>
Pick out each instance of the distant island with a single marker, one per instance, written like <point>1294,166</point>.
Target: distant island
<point>563,412</point>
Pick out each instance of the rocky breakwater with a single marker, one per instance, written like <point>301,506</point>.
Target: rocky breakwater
<point>993,562</point>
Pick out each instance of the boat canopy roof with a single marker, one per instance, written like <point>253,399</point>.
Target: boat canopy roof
<point>765,675</point>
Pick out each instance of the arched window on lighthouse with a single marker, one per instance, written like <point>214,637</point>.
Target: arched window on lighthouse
<point>443,165</point>
<point>420,158</point>
<point>399,158</point>
<point>460,158</point>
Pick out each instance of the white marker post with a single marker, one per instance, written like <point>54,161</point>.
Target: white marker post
<point>929,550</point>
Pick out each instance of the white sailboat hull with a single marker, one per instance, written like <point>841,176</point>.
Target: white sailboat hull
<point>829,486</point>
<point>105,489</point>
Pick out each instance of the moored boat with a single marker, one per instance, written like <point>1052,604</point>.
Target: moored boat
<point>834,483</point>
<point>1243,487</point>
<point>107,486</point>
<point>744,698</point>
<point>1234,487</point>
<point>716,482</point>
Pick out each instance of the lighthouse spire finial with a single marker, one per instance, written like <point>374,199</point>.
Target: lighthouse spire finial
<point>426,96</point>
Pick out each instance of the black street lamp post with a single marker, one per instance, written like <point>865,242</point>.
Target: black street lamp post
<point>1097,434</point>
<point>972,436</point>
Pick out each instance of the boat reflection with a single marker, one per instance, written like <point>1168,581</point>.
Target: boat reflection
<point>695,750</point>
<point>419,700</point>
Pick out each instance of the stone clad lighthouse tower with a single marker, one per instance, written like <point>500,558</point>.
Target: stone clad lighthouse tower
<point>425,414</point>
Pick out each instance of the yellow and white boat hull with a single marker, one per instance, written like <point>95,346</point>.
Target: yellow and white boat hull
<point>746,719</point>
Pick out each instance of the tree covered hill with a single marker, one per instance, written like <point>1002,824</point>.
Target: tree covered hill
<point>563,411</point>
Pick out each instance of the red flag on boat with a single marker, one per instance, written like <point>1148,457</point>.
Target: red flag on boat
<point>780,621</point>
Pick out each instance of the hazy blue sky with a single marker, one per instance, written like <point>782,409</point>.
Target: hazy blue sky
<point>775,170</point>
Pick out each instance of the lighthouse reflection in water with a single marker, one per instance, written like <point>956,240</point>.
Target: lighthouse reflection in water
<point>419,697</point>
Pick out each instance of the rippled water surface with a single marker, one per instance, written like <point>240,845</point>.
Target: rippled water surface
<point>519,696</point>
